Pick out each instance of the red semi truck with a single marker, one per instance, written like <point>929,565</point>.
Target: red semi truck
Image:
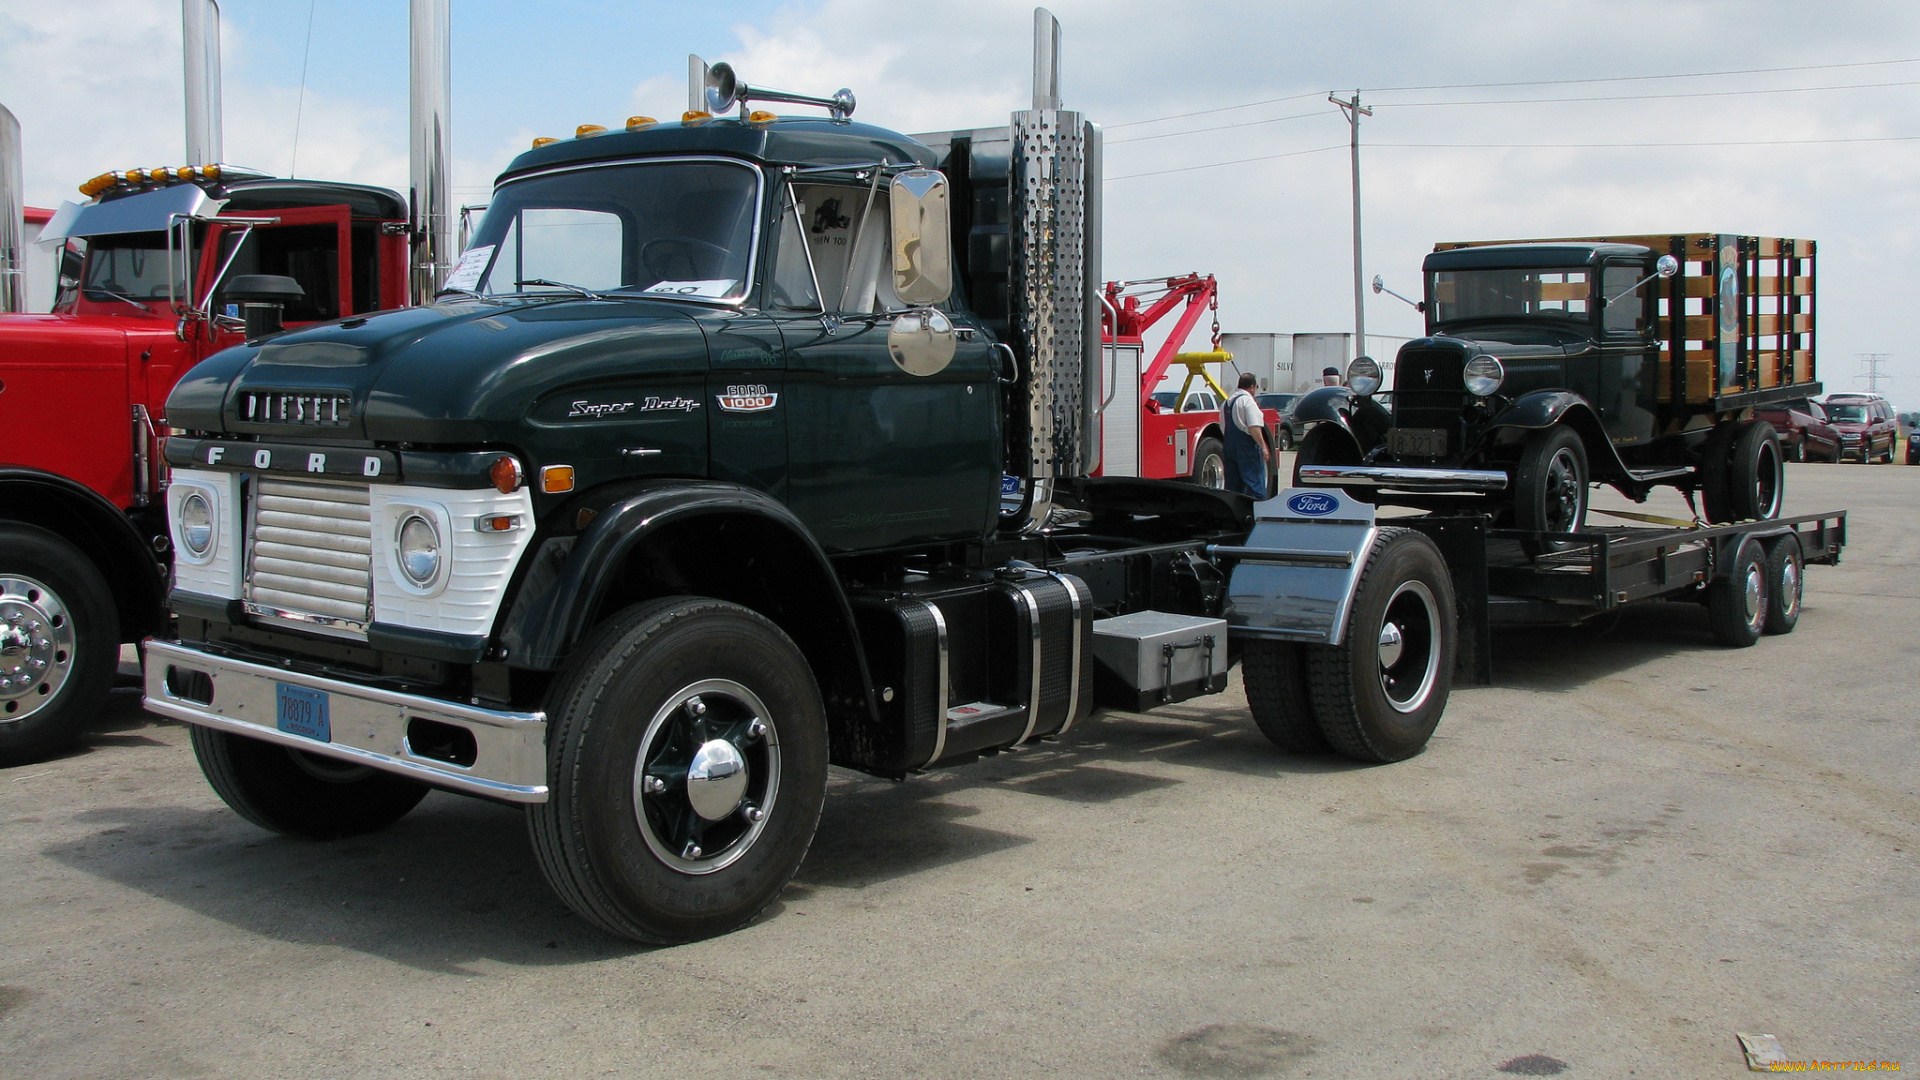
<point>158,269</point>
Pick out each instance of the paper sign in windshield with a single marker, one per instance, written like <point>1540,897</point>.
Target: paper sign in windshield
<point>713,288</point>
<point>472,265</point>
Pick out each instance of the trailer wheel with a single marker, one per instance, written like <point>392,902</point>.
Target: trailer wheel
<point>1550,486</point>
<point>59,643</point>
<point>1715,480</point>
<point>295,793</point>
<point>1379,693</point>
<point>1210,464</point>
<point>1737,601</point>
<point>1756,480</point>
<point>1275,673</point>
<point>687,768</point>
<point>1786,583</point>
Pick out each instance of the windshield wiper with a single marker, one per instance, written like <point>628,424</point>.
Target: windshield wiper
<point>462,292</point>
<point>588,293</point>
<point>118,296</point>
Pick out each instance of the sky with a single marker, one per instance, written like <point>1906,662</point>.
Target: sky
<point>1224,155</point>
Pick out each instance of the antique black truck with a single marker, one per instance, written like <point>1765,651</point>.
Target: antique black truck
<point>691,483</point>
<point>1549,365</point>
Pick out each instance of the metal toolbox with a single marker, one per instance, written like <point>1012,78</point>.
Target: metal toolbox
<point>1152,658</point>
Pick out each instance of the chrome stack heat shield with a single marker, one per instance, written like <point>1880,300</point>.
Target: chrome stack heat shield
<point>430,83</point>
<point>13,255</point>
<point>200,47</point>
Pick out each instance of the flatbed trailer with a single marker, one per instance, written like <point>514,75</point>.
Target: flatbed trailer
<point>1511,577</point>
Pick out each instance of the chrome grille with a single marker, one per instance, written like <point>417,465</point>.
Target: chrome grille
<point>327,408</point>
<point>310,552</point>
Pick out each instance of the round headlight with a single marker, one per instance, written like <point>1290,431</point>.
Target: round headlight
<point>196,525</point>
<point>1363,375</point>
<point>419,550</point>
<point>1483,375</point>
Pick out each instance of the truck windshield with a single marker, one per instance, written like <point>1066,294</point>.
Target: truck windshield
<point>130,266</point>
<point>1505,294</point>
<point>675,228</point>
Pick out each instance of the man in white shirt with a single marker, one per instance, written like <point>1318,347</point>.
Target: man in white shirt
<point>1247,451</point>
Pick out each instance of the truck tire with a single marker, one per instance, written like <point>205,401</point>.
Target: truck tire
<point>59,643</point>
<point>1210,464</point>
<point>1786,580</point>
<point>1275,674</point>
<point>1550,484</point>
<point>295,793</point>
<point>1283,439</point>
<point>687,751</point>
<point>1716,499</point>
<point>1756,480</point>
<point>1326,444</point>
<point>1737,600</point>
<point>1379,693</point>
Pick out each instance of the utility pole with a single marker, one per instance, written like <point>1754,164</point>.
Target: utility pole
<point>1355,111</point>
<point>1873,374</point>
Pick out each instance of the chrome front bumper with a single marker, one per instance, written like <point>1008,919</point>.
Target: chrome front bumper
<point>368,724</point>
<point>1403,478</point>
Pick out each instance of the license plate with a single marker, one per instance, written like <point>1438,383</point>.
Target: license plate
<point>303,712</point>
<point>1419,442</point>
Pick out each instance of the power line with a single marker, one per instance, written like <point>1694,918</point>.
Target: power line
<point>1223,164</point>
<point>1598,146</point>
<point>1218,127</point>
<point>1210,112</point>
<point>1644,97</point>
<point>1638,78</point>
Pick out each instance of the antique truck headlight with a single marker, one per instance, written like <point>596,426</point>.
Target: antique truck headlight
<point>418,543</point>
<point>196,525</point>
<point>1363,375</point>
<point>1483,375</point>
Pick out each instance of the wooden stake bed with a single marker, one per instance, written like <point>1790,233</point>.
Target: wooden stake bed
<point>1740,313</point>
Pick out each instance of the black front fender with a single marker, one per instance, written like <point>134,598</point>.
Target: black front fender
<point>1541,409</point>
<point>1364,420</point>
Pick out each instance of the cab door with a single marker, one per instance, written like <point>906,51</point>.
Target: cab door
<point>1627,390</point>
<point>877,458</point>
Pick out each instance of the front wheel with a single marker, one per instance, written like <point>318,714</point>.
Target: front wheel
<point>1379,693</point>
<point>59,643</point>
<point>1550,485</point>
<point>688,765</point>
<point>295,793</point>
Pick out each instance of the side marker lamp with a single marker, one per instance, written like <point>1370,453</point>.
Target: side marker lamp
<point>497,523</point>
<point>555,479</point>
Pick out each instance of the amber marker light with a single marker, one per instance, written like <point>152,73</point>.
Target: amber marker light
<point>585,130</point>
<point>506,474</point>
<point>210,172</point>
<point>761,116</point>
<point>555,479</point>
<point>635,123</point>
<point>99,184</point>
<point>694,116</point>
<point>544,140</point>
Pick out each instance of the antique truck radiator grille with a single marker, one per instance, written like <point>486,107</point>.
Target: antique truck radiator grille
<point>310,554</point>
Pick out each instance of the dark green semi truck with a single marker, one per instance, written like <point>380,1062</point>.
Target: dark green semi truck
<point>735,448</point>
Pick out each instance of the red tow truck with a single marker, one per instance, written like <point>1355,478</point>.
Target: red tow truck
<point>1169,440</point>
<point>158,269</point>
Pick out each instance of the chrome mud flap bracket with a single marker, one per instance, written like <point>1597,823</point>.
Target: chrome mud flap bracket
<point>1293,579</point>
<point>502,754</point>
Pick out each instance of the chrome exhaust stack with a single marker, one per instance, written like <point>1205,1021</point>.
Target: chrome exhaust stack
<point>1055,193</point>
<point>200,46</point>
<point>430,188</point>
<point>13,254</point>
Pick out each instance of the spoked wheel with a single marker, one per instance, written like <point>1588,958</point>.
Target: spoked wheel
<point>687,765</point>
<point>1379,693</point>
<point>1756,479</point>
<point>706,777</point>
<point>59,642</point>
<point>1550,486</point>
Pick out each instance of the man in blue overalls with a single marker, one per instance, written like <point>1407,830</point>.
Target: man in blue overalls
<point>1247,451</point>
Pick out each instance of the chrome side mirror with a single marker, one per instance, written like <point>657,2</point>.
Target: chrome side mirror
<point>922,238</point>
<point>1667,266</point>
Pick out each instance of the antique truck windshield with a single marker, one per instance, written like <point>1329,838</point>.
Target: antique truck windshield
<point>682,228</point>
<point>1526,293</point>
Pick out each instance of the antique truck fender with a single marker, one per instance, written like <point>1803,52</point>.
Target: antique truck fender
<point>1546,408</point>
<point>1362,419</point>
<point>704,538</point>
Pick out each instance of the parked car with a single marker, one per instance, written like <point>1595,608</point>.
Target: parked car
<point>1282,404</point>
<point>1913,448</point>
<point>1805,433</point>
<point>1867,427</point>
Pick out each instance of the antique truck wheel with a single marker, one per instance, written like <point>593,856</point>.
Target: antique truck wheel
<point>59,643</point>
<point>1379,693</point>
<point>299,794</point>
<point>688,763</point>
<point>1786,579</point>
<point>1275,673</point>
<point>1737,601</point>
<point>1756,479</point>
<point>1550,486</point>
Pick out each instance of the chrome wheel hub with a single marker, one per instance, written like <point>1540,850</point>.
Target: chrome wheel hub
<point>1410,647</point>
<point>1756,592</point>
<point>36,647</point>
<point>706,776</point>
<point>1790,586</point>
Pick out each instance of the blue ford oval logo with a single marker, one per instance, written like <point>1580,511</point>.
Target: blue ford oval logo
<point>1313,504</point>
